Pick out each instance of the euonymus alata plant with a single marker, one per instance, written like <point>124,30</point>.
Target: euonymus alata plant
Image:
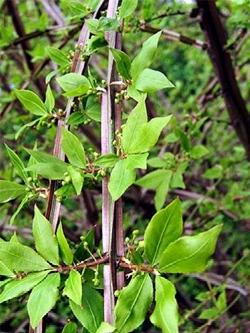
<point>51,269</point>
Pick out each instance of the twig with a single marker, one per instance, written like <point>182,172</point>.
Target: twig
<point>174,36</point>
<point>121,262</point>
<point>17,22</point>
<point>167,14</point>
<point>212,82</point>
<point>12,8</point>
<point>218,280</point>
<point>53,11</point>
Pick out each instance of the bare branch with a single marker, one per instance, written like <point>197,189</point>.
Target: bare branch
<point>175,36</point>
<point>53,11</point>
<point>220,57</point>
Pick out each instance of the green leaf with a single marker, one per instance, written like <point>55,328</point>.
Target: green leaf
<point>76,118</point>
<point>162,190</point>
<point>209,313</point>
<point>66,191</point>
<point>74,84</point>
<point>14,239</point>
<point>90,314</point>
<point>137,161</point>
<point>105,328</point>
<point>50,171</point>
<point>18,287</point>
<point>165,315</point>
<point>5,271</point>
<point>77,179</point>
<point>164,227</point>
<point>221,302</point>
<point>76,9</point>
<point>147,135</point>
<point>93,108</point>
<point>198,151</point>
<point>48,166</point>
<point>123,63</point>
<point>23,128</point>
<point>151,81</point>
<point>133,303</point>
<point>50,99</point>
<point>95,43</point>
<point>42,157</point>
<point>106,161</point>
<point>157,162</point>
<point>120,179</point>
<point>32,161</point>
<point>146,56</point>
<point>189,254</point>
<point>50,75</point>
<point>177,179</point>
<point>10,190</point>
<point>4,282</point>
<point>73,287</point>
<point>20,207</point>
<point>135,94</point>
<point>31,102</point>
<point>93,26</point>
<point>43,298</point>
<point>108,24</point>
<point>97,27</point>
<point>65,250</point>
<point>45,239</point>
<point>73,149</point>
<point>185,141</point>
<point>21,258</point>
<point>58,56</point>
<point>127,8</point>
<point>153,179</point>
<point>17,163</point>
<point>70,328</point>
<point>215,172</point>
<point>136,119</point>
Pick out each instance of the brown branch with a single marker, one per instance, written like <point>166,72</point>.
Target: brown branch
<point>35,34</point>
<point>220,57</point>
<point>211,85</point>
<point>218,280</point>
<point>19,27</point>
<point>123,263</point>
<point>16,19</point>
<point>118,233</point>
<point>120,263</point>
<point>163,15</point>
<point>89,263</point>
<point>175,36</point>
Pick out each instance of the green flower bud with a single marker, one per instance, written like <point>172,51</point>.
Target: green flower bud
<point>85,245</point>
<point>96,282</point>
